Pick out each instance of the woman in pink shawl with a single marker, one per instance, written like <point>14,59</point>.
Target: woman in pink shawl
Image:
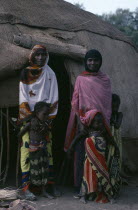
<point>92,91</point>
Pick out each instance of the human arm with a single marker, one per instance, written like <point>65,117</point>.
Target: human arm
<point>24,108</point>
<point>75,97</point>
<point>119,120</point>
<point>53,94</point>
<point>110,139</point>
<point>81,135</point>
<point>112,142</point>
<point>116,119</point>
<point>23,131</point>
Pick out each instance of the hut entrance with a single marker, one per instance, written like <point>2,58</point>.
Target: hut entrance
<point>9,146</point>
<point>60,123</point>
<point>9,142</point>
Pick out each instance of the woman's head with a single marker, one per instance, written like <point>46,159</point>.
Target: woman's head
<point>115,103</point>
<point>93,60</point>
<point>41,110</point>
<point>38,56</point>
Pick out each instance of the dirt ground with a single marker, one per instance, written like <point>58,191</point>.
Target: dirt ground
<point>128,200</point>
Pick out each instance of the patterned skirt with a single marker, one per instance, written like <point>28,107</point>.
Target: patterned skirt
<point>39,167</point>
<point>96,175</point>
<point>116,133</point>
<point>25,161</point>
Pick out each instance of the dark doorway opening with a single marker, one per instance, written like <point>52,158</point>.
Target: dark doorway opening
<point>61,121</point>
<point>8,145</point>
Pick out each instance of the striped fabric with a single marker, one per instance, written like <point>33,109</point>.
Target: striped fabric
<point>96,177</point>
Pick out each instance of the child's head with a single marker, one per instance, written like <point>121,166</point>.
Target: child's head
<point>41,110</point>
<point>115,103</point>
<point>97,122</point>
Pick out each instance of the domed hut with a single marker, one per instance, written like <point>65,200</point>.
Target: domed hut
<point>67,32</point>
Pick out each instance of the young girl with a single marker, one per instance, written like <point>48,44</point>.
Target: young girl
<point>38,128</point>
<point>97,184</point>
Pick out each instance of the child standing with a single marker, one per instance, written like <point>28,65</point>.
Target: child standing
<point>38,128</point>
<point>97,184</point>
<point>116,120</point>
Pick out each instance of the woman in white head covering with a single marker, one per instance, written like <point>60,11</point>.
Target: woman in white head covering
<point>38,83</point>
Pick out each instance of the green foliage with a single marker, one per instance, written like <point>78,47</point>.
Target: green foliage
<point>126,21</point>
<point>79,5</point>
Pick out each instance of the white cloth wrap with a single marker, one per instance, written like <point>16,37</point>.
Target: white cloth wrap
<point>45,89</point>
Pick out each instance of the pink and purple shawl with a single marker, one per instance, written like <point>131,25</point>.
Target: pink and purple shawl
<point>92,91</point>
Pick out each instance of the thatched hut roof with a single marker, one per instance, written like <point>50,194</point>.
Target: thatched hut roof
<point>54,22</point>
<point>68,31</point>
<point>56,14</point>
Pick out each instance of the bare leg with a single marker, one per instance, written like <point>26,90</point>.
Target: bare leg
<point>46,194</point>
<point>55,191</point>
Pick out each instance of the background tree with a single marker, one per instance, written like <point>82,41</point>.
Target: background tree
<point>79,5</point>
<point>126,21</point>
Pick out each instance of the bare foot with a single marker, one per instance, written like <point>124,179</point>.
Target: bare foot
<point>47,195</point>
<point>92,196</point>
<point>83,199</point>
<point>112,201</point>
<point>55,191</point>
<point>29,196</point>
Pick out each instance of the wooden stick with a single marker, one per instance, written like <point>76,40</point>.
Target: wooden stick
<point>1,143</point>
<point>8,147</point>
<point>53,45</point>
<point>17,164</point>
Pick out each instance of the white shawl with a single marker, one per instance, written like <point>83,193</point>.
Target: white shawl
<point>45,89</point>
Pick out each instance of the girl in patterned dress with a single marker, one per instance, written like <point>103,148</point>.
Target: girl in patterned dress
<point>38,127</point>
<point>101,182</point>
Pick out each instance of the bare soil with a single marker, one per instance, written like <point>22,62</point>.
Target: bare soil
<point>128,200</point>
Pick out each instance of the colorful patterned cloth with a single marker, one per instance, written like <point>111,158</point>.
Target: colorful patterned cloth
<point>32,89</point>
<point>44,88</point>
<point>25,161</point>
<point>101,164</point>
<point>39,167</point>
<point>98,176</point>
<point>116,133</point>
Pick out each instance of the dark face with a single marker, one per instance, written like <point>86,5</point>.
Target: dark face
<point>40,57</point>
<point>43,114</point>
<point>97,123</point>
<point>93,64</point>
